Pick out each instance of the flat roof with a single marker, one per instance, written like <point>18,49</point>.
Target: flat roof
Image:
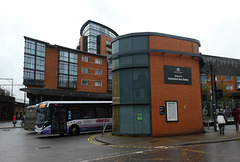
<point>156,34</point>
<point>62,47</point>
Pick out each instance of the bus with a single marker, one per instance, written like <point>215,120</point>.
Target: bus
<point>73,117</point>
<point>30,117</point>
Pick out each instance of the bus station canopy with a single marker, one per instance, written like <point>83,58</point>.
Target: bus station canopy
<point>220,65</point>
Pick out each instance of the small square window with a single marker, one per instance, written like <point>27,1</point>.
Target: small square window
<point>229,87</point>
<point>98,83</point>
<point>85,70</point>
<point>98,61</point>
<point>98,72</point>
<point>228,78</point>
<point>84,58</point>
<point>84,82</point>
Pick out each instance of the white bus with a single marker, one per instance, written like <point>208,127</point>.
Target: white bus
<point>73,117</point>
<point>30,117</point>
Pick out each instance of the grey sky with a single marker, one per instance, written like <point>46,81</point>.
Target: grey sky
<point>215,23</point>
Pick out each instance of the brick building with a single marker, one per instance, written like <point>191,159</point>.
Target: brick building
<point>156,85</point>
<point>53,72</point>
<point>7,104</point>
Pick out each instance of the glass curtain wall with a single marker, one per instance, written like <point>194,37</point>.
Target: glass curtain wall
<point>93,30</point>
<point>67,70</point>
<point>34,63</point>
<point>131,86</point>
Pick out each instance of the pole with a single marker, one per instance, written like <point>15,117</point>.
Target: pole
<point>214,102</point>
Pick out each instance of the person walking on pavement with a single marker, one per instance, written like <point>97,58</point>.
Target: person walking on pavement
<point>14,120</point>
<point>221,120</point>
<point>22,120</point>
<point>235,115</point>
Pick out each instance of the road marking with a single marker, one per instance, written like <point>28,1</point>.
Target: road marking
<point>91,140</point>
<point>223,137</point>
<point>184,155</point>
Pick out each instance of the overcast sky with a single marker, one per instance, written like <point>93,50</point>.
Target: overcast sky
<point>215,23</point>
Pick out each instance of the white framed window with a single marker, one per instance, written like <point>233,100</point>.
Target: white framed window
<point>238,82</point>
<point>98,61</point>
<point>98,83</point>
<point>228,78</point>
<point>84,82</point>
<point>85,70</point>
<point>84,58</point>
<point>98,72</point>
<point>229,87</point>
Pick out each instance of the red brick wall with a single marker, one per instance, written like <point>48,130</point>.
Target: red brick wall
<point>51,72</point>
<point>81,43</point>
<point>91,76</point>
<point>51,68</point>
<point>187,96</point>
<point>103,44</point>
<point>226,82</point>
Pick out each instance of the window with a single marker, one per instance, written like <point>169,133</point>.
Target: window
<point>63,67</point>
<point>98,83</point>
<point>84,58</point>
<point>136,79</point>
<point>39,75</point>
<point>28,74</point>
<point>40,49</point>
<point>98,61</point>
<point>30,47</point>
<point>203,78</point>
<point>228,78</point>
<point>29,61</point>
<point>67,69</point>
<point>140,43</point>
<point>115,47</point>
<point>63,56</point>
<point>40,63</point>
<point>84,82</point>
<point>229,87</point>
<point>34,63</point>
<point>98,72</point>
<point>73,58</point>
<point>238,82</point>
<point>125,44</point>
<point>73,81</point>
<point>63,81</point>
<point>85,70</point>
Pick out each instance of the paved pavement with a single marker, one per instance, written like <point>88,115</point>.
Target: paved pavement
<point>210,136</point>
<point>9,124</point>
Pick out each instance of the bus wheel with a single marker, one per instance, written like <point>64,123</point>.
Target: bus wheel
<point>74,130</point>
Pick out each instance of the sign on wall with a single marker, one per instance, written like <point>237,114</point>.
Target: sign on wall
<point>162,110</point>
<point>139,116</point>
<point>172,110</point>
<point>177,75</point>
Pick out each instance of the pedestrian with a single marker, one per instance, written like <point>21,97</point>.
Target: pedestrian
<point>22,120</point>
<point>14,120</point>
<point>236,118</point>
<point>221,120</point>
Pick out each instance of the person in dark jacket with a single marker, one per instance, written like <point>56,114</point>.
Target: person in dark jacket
<point>221,120</point>
<point>236,118</point>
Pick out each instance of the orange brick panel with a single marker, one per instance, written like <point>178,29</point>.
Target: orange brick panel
<point>187,96</point>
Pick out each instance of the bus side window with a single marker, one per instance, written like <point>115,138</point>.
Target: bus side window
<point>88,113</point>
<point>75,114</point>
